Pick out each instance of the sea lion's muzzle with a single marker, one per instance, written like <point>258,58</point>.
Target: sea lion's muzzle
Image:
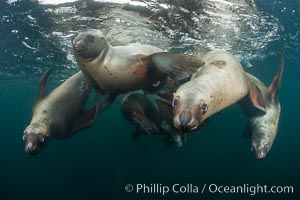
<point>186,122</point>
<point>260,151</point>
<point>31,149</point>
<point>188,112</point>
<point>77,43</point>
<point>261,155</point>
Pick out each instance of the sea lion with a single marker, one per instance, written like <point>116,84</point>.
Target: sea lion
<point>139,110</point>
<point>145,114</point>
<point>217,84</point>
<point>176,136</point>
<point>59,114</point>
<point>116,70</point>
<point>263,128</point>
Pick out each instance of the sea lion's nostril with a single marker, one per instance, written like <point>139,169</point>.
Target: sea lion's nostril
<point>184,121</point>
<point>29,145</point>
<point>76,43</point>
<point>260,155</point>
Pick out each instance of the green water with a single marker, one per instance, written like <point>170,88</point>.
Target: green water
<point>100,161</point>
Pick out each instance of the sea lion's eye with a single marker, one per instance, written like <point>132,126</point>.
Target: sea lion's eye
<point>41,138</point>
<point>266,146</point>
<point>204,107</point>
<point>91,38</point>
<point>175,102</point>
<point>24,137</point>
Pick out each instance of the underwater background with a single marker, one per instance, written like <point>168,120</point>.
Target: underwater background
<point>99,162</point>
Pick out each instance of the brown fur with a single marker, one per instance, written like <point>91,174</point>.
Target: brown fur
<point>61,113</point>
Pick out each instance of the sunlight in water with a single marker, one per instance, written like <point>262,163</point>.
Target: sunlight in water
<point>234,25</point>
<point>55,2</point>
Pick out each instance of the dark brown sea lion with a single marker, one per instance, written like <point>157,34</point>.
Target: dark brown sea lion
<point>59,114</point>
<point>145,114</point>
<point>139,110</point>
<point>219,83</point>
<point>119,69</point>
<point>263,128</point>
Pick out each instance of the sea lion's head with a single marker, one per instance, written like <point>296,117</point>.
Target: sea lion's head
<point>36,137</point>
<point>261,146</point>
<point>89,43</point>
<point>189,107</point>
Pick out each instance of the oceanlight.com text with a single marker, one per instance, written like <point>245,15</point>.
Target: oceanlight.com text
<point>190,188</point>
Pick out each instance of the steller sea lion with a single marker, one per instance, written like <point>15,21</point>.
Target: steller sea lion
<point>59,114</point>
<point>263,128</point>
<point>139,110</point>
<point>119,69</point>
<point>145,114</point>
<point>217,84</point>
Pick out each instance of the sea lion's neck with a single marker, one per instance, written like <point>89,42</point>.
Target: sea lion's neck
<point>41,119</point>
<point>42,125</point>
<point>266,126</point>
<point>105,54</point>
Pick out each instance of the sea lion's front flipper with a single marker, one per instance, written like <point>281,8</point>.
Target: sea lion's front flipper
<point>161,99</point>
<point>165,126</point>
<point>176,66</point>
<point>256,98</point>
<point>146,124</point>
<point>42,83</point>
<point>276,82</point>
<point>164,104</point>
<point>89,116</point>
<point>108,100</point>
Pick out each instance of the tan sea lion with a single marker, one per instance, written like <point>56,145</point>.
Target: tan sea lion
<point>59,114</point>
<point>219,83</point>
<point>119,69</point>
<point>263,128</point>
<point>145,114</point>
<point>164,98</point>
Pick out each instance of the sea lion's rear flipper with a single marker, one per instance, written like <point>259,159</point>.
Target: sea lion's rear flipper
<point>146,124</point>
<point>176,66</point>
<point>89,116</point>
<point>276,82</point>
<point>255,97</point>
<point>42,83</point>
